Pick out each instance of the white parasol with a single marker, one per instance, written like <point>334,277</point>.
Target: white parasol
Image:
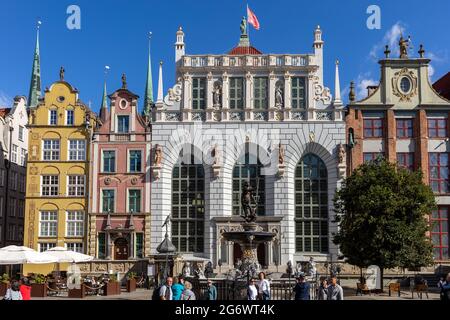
<point>22,255</point>
<point>62,255</point>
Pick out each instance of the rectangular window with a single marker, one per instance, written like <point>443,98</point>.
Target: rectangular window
<point>372,156</point>
<point>298,93</point>
<point>50,150</point>
<point>14,151</point>
<point>23,157</point>
<point>21,208</point>
<point>12,206</point>
<point>373,128</point>
<point>101,243</point>
<point>135,161</point>
<point>439,233</point>
<point>139,245</point>
<point>50,186</point>
<point>70,118</point>
<point>75,247</point>
<point>123,124</point>
<point>12,233</point>
<point>53,121</point>
<point>404,128</point>
<point>198,93</point>
<point>46,246</point>
<point>13,180</point>
<point>76,185</point>
<point>21,128</point>
<point>236,93</point>
<point>22,186</point>
<point>77,150</point>
<point>438,171</point>
<point>2,177</point>
<point>134,200</point>
<point>75,224</point>
<point>437,128</point>
<point>108,201</point>
<point>109,161</point>
<point>48,224</point>
<point>260,93</point>
<point>406,160</point>
<point>2,207</point>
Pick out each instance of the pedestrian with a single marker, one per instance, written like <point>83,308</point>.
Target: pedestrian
<point>165,292</point>
<point>13,293</point>
<point>445,289</point>
<point>323,289</point>
<point>177,288</point>
<point>187,294</point>
<point>302,288</point>
<point>25,289</point>
<point>263,287</point>
<point>334,291</point>
<point>211,294</point>
<point>252,292</point>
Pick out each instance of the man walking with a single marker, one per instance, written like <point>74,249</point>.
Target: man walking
<point>302,288</point>
<point>212,291</point>
<point>165,292</point>
<point>335,291</point>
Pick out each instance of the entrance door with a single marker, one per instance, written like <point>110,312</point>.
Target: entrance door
<point>262,255</point>
<point>121,249</point>
<point>237,253</point>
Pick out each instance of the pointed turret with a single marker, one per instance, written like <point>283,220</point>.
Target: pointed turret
<point>148,100</point>
<point>160,101</point>
<point>337,87</point>
<point>104,111</point>
<point>35,85</point>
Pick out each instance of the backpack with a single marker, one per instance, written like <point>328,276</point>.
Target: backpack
<point>155,295</point>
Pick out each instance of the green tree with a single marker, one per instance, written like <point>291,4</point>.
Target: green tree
<point>382,215</point>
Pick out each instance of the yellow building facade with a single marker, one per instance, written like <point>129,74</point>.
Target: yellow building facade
<point>57,193</point>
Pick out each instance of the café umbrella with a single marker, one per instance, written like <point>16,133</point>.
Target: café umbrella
<point>13,255</point>
<point>62,255</point>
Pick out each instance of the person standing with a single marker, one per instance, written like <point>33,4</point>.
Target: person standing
<point>25,289</point>
<point>335,291</point>
<point>263,287</point>
<point>323,290</point>
<point>445,289</point>
<point>252,292</point>
<point>187,294</point>
<point>177,288</point>
<point>13,293</point>
<point>302,289</point>
<point>165,292</point>
<point>211,294</point>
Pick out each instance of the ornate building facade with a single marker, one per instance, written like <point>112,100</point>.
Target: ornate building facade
<point>247,117</point>
<point>406,121</point>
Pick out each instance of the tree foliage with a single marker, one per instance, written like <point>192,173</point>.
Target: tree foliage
<point>382,215</point>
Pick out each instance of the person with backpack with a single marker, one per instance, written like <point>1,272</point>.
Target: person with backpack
<point>13,293</point>
<point>165,292</point>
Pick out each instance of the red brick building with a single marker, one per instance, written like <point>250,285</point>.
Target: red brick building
<point>442,86</point>
<point>406,121</point>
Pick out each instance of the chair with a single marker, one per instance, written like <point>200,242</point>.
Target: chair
<point>394,287</point>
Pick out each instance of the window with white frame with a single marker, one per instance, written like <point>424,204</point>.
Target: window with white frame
<point>108,196</point>
<point>134,200</point>
<point>53,117</point>
<point>21,133</point>
<point>44,246</point>
<point>48,224</point>
<point>77,150</point>
<point>51,150</point>
<point>76,185</point>
<point>123,124</point>
<point>23,157</point>
<point>109,161</point>
<point>13,180</point>
<point>69,118</point>
<point>135,161</point>
<point>75,247</point>
<point>75,224</point>
<point>14,151</point>
<point>50,185</point>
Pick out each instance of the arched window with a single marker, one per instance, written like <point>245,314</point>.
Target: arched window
<point>311,205</point>
<point>248,168</point>
<point>188,207</point>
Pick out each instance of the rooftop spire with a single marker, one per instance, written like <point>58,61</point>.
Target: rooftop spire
<point>104,111</point>
<point>148,101</point>
<point>160,100</point>
<point>35,85</point>
<point>337,88</point>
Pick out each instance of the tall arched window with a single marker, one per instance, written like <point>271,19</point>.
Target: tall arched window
<point>248,168</point>
<point>311,205</point>
<point>188,207</point>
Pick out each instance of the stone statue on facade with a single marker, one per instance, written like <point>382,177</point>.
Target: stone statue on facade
<point>244,26</point>
<point>341,154</point>
<point>217,96</point>
<point>247,201</point>
<point>279,101</point>
<point>298,269</point>
<point>158,156</point>
<point>312,270</point>
<point>209,270</point>
<point>280,154</point>
<point>61,74</point>
<point>186,271</point>
<point>404,44</point>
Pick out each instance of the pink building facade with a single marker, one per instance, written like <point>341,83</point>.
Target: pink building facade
<point>119,227</point>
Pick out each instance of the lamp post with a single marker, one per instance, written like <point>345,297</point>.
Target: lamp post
<point>8,167</point>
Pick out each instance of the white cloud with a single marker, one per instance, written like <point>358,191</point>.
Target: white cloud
<point>364,80</point>
<point>391,38</point>
<point>431,71</point>
<point>5,99</point>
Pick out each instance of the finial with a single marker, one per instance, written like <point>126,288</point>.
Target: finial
<point>337,62</point>
<point>421,51</point>
<point>161,63</point>
<point>180,28</point>
<point>124,81</point>
<point>38,24</point>
<point>61,74</point>
<point>352,95</point>
<point>387,51</point>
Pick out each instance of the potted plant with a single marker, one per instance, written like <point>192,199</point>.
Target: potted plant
<point>39,286</point>
<point>112,287</point>
<point>4,281</point>
<point>131,281</point>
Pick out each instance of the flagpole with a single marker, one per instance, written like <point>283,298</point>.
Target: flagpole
<point>248,31</point>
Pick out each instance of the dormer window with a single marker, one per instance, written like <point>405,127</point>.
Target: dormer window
<point>123,104</point>
<point>53,117</point>
<point>123,124</point>
<point>70,118</point>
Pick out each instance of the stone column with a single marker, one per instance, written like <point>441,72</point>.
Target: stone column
<point>287,95</point>
<point>187,97</point>
<point>422,144</point>
<point>271,95</point>
<point>248,98</point>
<point>147,236</point>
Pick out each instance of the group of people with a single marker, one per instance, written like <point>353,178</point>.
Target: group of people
<point>259,289</point>
<point>179,289</point>
<point>328,289</point>
<point>19,290</point>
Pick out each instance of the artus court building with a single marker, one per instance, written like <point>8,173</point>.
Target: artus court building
<point>247,117</point>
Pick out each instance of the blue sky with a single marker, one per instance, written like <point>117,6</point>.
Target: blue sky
<point>115,32</point>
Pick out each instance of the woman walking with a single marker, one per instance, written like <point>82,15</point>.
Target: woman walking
<point>187,294</point>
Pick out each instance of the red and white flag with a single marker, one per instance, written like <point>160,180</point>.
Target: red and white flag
<point>252,19</point>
